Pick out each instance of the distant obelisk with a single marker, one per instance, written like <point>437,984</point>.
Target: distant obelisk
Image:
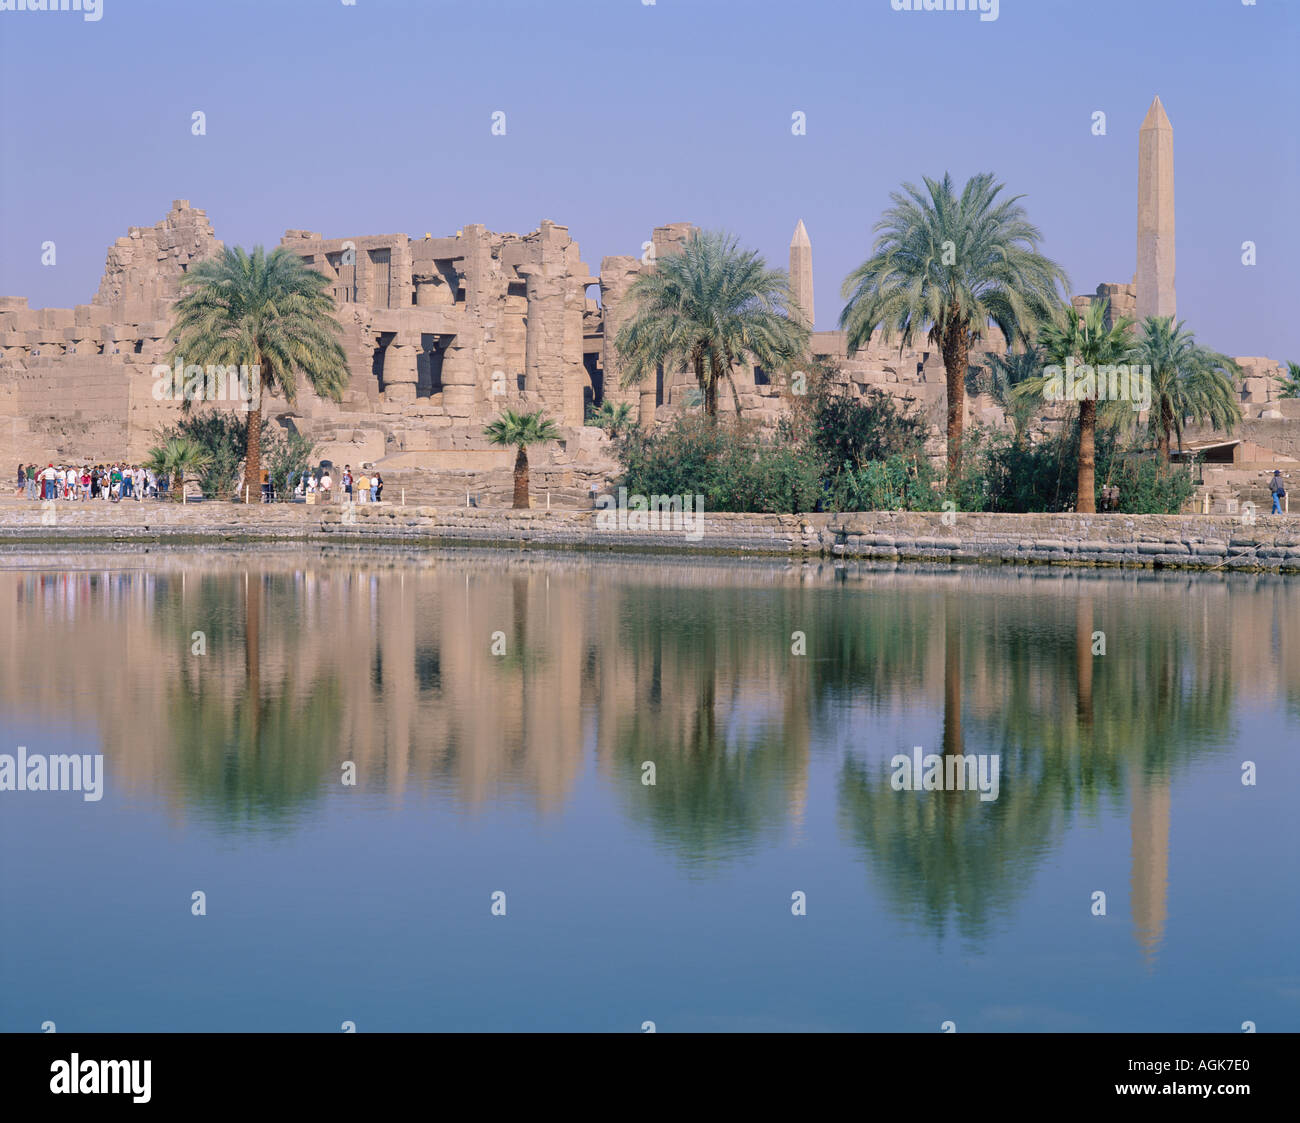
<point>801,281</point>
<point>1155,249</point>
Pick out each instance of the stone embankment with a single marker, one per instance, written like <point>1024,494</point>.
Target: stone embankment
<point>1154,541</point>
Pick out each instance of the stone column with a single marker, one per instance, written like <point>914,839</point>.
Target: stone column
<point>401,375</point>
<point>458,380</point>
<point>431,290</point>
<point>616,277</point>
<point>553,367</point>
<point>545,327</point>
<point>668,241</point>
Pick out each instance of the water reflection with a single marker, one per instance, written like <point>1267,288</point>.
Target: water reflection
<point>234,687</point>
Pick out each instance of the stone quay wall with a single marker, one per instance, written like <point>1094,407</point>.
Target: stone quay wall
<point>1216,542</point>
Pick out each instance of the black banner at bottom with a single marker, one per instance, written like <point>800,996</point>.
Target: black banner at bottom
<point>338,1071</point>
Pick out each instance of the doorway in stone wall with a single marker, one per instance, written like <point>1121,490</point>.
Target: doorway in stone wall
<point>377,363</point>
<point>428,364</point>
<point>593,394</point>
<point>381,267</point>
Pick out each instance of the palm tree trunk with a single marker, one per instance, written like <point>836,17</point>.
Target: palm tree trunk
<point>1166,424</point>
<point>1086,503</point>
<point>521,479</point>
<point>253,458</point>
<point>178,492</point>
<point>1083,618</point>
<point>709,387</point>
<point>952,735</point>
<point>253,652</point>
<point>955,347</point>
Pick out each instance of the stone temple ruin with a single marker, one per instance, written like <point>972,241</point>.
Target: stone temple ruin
<point>442,333</point>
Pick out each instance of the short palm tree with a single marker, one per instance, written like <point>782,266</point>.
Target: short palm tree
<point>521,430</point>
<point>176,458</point>
<point>708,308</point>
<point>272,312</point>
<point>1187,381</point>
<point>1008,371</point>
<point>613,417</point>
<point>949,265</point>
<point>1088,341</point>
<point>1291,383</point>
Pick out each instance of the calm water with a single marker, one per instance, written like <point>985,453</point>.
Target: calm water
<point>499,712</point>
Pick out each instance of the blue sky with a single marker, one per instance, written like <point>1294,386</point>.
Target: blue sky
<point>376,118</point>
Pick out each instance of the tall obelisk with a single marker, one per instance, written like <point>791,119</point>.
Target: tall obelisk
<point>1155,250</point>
<point>801,281</point>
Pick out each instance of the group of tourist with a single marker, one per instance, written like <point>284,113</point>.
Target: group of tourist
<point>115,482</point>
<point>366,487</point>
<point>111,482</point>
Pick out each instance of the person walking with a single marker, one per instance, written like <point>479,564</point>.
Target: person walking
<point>1278,490</point>
<point>376,487</point>
<point>347,482</point>
<point>22,479</point>
<point>31,481</point>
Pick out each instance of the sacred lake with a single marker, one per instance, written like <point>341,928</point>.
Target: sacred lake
<point>482,790</point>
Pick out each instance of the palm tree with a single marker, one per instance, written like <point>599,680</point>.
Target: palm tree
<point>708,308</point>
<point>175,458</point>
<point>273,313</point>
<point>1088,341</point>
<point>1291,384</point>
<point>521,430</point>
<point>1008,371</point>
<point>949,266</point>
<point>1187,381</point>
<point>613,418</point>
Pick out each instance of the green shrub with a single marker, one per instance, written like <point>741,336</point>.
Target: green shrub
<point>734,468</point>
<point>847,429</point>
<point>1002,475</point>
<point>898,483</point>
<point>838,452</point>
<point>223,436</point>
<point>1144,489</point>
<point>287,457</point>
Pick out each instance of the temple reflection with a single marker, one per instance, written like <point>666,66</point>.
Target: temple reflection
<point>235,687</point>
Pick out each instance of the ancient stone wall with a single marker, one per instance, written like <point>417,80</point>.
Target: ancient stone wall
<point>78,382</point>
<point>440,335</point>
<point>1209,542</point>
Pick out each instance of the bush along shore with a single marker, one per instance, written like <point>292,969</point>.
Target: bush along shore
<point>1214,542</point>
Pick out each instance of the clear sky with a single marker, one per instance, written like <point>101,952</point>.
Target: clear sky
<point>376,117</point>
